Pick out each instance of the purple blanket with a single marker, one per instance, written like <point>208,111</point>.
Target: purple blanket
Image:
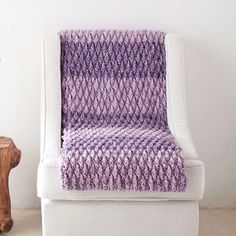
<point>114,119</point>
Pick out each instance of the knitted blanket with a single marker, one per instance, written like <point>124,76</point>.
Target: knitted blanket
<point>114,119</point>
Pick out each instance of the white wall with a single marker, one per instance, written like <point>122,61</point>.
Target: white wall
<point>208,29</point>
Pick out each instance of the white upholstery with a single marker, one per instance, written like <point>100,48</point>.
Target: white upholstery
<point>104,213</point>
<point>168,218</point>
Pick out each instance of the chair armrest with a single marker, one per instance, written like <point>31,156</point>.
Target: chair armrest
<point>51,99</point>
<point>176,102</point>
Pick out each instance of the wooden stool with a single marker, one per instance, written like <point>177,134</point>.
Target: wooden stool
<point>9,158</point>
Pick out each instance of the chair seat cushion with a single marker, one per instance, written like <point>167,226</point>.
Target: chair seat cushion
<point>134,158</point>
<point>49,186</point>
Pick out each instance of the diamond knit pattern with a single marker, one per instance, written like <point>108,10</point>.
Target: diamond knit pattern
<point>114,119</point>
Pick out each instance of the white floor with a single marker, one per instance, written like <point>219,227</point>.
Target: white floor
<point>213,222</point>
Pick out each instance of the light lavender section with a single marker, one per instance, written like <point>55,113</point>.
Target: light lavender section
<point>114,120</point>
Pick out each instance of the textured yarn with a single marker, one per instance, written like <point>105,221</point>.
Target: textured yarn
<point>114,119</point>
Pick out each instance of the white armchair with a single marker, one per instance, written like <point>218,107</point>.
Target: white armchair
<point>114,213</point>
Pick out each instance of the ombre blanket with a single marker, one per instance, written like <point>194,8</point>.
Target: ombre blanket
<point>115,134</point>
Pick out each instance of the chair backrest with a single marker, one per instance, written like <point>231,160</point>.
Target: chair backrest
<point>51,97</point>
<point>113,77</point>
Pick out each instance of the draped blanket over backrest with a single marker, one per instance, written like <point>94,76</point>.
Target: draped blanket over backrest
<point>114,119</point>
